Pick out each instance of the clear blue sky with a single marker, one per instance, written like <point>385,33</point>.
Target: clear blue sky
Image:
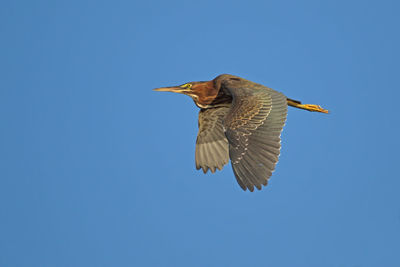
<point>96,169</point>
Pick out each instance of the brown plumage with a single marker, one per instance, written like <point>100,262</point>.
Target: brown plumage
<point>242,121</point>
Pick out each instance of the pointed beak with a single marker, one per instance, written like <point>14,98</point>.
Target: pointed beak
<point>174,89</point>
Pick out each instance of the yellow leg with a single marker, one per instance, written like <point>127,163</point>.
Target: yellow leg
<point>308,107</point>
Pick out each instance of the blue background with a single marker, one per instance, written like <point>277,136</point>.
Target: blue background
<point>96,169</point>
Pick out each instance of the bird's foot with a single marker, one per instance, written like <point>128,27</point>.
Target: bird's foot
<point>310,107</point>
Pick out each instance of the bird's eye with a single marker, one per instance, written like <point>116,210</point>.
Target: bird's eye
<point>187,86</point>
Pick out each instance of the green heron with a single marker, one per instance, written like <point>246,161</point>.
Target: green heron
<point>242,121</point>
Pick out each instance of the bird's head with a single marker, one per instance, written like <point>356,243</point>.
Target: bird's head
<point>201,92</point>
<point>191,88</point>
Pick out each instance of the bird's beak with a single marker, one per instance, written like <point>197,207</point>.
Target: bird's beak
<point>174,89</point>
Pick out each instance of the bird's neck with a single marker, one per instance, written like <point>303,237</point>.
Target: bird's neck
<point>206,95</point>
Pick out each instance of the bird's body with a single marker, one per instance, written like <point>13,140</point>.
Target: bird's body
<point>242,121</point>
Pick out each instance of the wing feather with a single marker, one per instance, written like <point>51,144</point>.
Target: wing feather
<point>253,128</point>
<point>212,149</point>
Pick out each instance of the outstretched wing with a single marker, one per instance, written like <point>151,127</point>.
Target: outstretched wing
<point>253,128</point>
<point>211,144</point>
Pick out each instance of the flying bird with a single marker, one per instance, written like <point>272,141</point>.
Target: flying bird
<point>242,121</point>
